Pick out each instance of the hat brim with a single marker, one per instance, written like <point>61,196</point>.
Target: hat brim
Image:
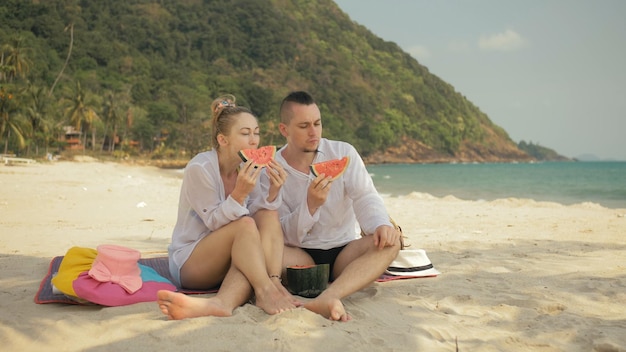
<point>420,273</point>
<point>412,263</point>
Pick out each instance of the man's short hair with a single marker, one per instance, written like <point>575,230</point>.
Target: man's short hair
<point>298,97</point>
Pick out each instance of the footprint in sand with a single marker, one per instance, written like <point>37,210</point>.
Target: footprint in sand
<point>552,309</point>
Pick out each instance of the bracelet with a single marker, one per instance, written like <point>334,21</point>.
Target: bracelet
<point>276,276</point>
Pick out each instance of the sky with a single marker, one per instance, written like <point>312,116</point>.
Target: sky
<point>551,72</point>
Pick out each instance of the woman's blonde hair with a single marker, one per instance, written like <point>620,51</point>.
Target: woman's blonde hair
<point>224,110</point>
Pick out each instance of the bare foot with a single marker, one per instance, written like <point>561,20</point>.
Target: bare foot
<point>180,306</point>
<point>329,307</point>
<point>273,301</point>
<point>279,285</point>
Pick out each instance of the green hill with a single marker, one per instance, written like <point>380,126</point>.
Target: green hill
<point>145,71</point>
<point>541,153</point>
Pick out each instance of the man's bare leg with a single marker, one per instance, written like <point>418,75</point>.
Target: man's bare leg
<point>358,265</point>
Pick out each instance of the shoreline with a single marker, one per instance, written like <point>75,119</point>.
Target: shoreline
<point>427,195</point>
<point>517,274</point>
<point>609,204</point>
<point>561,182</point>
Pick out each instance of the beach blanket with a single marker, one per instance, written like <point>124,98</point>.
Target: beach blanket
<point>45,294</point>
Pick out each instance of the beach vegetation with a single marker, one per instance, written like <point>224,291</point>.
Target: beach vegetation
<point>139,76</point>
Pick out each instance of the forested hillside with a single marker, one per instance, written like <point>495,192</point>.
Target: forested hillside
<point>540,152</point>
<point>143,72</point>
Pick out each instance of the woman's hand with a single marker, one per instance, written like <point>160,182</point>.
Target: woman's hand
<point>277,176</point>
<point>246,180</point>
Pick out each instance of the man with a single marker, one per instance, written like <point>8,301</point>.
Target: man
<point>320,217</point>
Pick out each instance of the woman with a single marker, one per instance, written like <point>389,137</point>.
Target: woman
<point>227,232</point>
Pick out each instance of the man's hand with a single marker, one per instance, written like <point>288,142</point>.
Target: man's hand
<point>386,236</point>
<point>318,192</point>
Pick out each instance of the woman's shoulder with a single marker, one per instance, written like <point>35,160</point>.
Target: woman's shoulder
<point>202,162</point>
<point>203,157</point>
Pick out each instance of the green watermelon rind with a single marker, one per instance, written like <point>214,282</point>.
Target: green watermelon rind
<point>334,177</point>
<point>245,158</point>
<point>308,281</point>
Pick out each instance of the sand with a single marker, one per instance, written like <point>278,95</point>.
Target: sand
<point>517,275</point>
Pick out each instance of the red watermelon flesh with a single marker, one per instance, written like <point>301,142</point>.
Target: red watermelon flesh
<point>301,266</point>
<point>260,156</point>
<point>333,168</point>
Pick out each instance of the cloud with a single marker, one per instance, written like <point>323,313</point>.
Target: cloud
<point>419,52</point>
<point>509,40</point>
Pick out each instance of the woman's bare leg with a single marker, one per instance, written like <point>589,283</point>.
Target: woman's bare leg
<point>234,291</point>
<point>272,242</point>
<point>249,258</point>
<point>237,244</point>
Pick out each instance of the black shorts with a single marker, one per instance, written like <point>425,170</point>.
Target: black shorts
<point>325,256</point>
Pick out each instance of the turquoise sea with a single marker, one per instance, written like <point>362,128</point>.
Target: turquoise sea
<point>603,183</point>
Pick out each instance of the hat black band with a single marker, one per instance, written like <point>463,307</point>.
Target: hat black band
<point>408,270</point>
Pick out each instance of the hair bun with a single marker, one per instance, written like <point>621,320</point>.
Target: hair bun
<point>221,102</point>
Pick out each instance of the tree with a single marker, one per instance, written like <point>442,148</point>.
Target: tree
<point>81,113</point>
<point>67,59</point>
<point>14,59</point>
<point>112,118</point>
<point>9,119</point>
<point>36,113</point>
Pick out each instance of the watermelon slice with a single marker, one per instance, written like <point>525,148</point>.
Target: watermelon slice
<point>260,156</point>
<point>333,168</point>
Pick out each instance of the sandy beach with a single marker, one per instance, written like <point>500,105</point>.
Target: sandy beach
<point>516,275</point>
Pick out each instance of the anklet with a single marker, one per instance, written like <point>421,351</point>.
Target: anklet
<point>276,276</point>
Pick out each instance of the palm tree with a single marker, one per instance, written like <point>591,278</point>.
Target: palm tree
<point>112,118</point>
<point>15,60</point>
<point>67,59</point>
<point>36,113</point>
<point>9,119</point>
<point>81,114</point>
<point>4,69</point>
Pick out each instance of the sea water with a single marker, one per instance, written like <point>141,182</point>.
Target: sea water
<point>567,183</point>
